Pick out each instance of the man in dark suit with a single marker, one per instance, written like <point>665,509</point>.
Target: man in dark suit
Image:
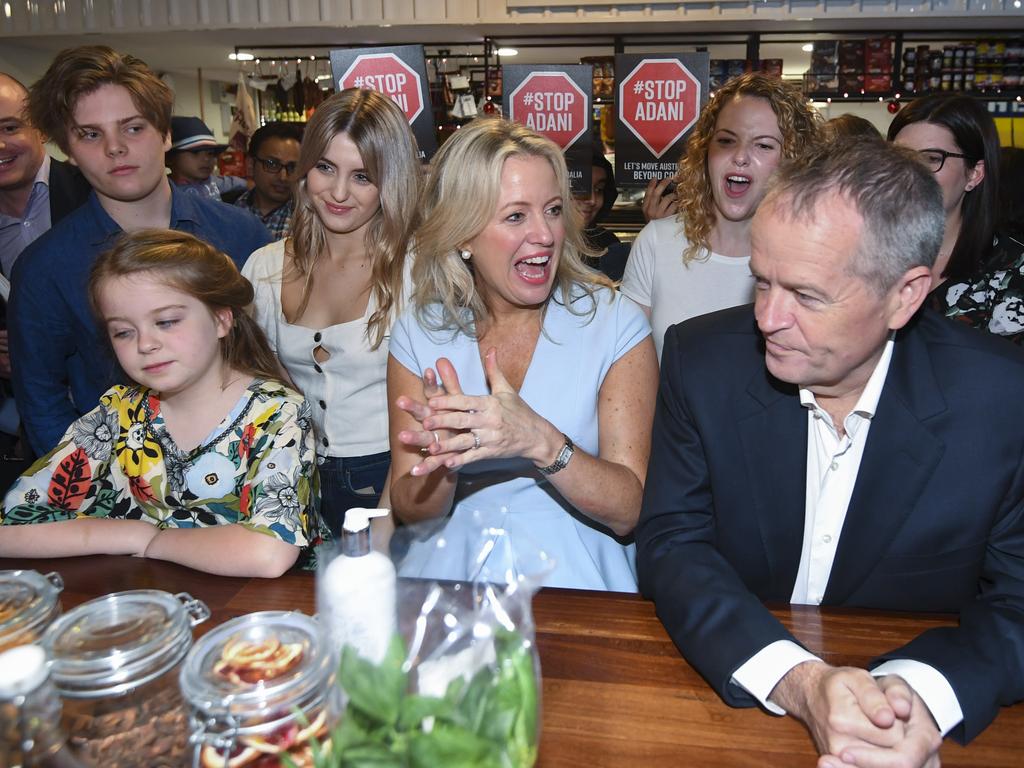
<point>36,192</point>
<point>834,445</point>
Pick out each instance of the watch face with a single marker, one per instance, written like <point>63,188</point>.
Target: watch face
<point>562,459</point>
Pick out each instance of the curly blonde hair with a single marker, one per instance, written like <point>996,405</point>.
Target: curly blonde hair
<point>799,123</point>
<point>459,199</point>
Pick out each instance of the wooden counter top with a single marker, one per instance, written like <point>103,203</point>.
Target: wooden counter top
<point>616,692</point>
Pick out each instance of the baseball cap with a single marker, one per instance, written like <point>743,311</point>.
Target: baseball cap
<point>189,134</point>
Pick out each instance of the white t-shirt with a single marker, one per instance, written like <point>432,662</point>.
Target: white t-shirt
<point>348,391</point>
<point>656,277</point>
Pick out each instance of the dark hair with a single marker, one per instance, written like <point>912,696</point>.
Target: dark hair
<point>194,267</point>
<point>611,192</point>
<point>274,130</point>
<point>1011,190</point>
<point>975,135</point>
<point>897,197</point>
<point>77,72</point>
<point>851,126</point>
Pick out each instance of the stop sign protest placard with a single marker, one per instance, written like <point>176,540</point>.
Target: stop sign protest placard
<point>659,100</point>
<point>554,100</point>
<point>398,72</point>
<point>387,73</point>
<point>552,104</point>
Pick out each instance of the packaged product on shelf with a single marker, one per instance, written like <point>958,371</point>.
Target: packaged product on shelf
<point>878,55</point>
<point>851,82</point>
<point>115,664</point>
<point>879,83</point>
<point>851,56</point>
<point>717,74</point>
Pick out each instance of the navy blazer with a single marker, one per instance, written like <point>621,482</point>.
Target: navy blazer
<point>68,189</point>
<point>935,522</point>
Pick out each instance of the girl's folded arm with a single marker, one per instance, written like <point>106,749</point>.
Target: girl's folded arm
<point>225,550</point>
<point>81,536</point>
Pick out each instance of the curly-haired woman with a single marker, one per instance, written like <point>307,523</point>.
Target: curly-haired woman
<point>697,261</point>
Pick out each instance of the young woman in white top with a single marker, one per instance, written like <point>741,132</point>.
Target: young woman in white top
<point>697,260</point>
<point>327,295</point>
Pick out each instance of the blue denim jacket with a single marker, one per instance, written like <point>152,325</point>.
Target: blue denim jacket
<point>61,360</point>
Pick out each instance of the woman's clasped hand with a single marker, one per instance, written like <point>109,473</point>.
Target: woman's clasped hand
<point>460,428</point>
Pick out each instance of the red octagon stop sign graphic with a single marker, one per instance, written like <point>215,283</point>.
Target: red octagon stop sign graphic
<point>551,104</point>
<point>659,101</point>
<point>387,73</point>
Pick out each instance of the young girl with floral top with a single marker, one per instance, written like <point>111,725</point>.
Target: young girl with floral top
<point>207,459</point>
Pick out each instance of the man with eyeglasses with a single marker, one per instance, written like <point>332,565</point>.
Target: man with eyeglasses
<point>273,156</point>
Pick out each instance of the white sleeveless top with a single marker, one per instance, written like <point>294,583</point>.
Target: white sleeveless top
<point>348,391</point>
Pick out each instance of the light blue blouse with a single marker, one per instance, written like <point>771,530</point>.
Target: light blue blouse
<point>562,384</point>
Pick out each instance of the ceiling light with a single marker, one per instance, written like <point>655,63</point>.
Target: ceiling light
<point>507,52</point>
<point>318,78</point>
<point>241,56</point>
<point>807,47</point>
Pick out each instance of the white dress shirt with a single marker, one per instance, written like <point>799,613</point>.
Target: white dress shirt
<point>833,461</point>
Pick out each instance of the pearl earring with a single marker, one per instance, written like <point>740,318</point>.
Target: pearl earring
<point>465,254</point>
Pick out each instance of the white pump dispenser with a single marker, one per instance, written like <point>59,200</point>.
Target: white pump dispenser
<point>357,591</point>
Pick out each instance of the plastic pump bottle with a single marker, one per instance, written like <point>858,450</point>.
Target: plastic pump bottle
<point>357,591</point>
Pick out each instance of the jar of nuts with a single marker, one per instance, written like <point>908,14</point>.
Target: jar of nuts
<point>29,601</point>
<point>114,662</point>
<point>259,689</point>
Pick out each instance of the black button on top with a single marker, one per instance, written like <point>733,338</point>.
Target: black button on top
<point>323,405</point>
<point>324,441</point>
<point>317,336</point>
<point>317,368</point>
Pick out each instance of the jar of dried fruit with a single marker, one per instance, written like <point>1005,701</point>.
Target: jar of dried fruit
<point>30,732</point>
<point>114,662</point>
<point>29,601</point>
<point>258,688</point>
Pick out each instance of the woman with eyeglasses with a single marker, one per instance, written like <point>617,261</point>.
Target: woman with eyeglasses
<point>978,277</point>
<point>327,295</point>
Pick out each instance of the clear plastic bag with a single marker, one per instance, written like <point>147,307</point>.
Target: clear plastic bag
<point>459,684</point>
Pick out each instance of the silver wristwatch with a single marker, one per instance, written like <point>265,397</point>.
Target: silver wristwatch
<point>562,460</point>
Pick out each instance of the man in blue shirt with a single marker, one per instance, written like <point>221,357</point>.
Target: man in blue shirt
<point>111,115</point>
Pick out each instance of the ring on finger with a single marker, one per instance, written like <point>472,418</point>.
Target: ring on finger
<point>476,440</point>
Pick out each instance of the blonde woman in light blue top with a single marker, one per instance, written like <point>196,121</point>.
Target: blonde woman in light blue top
<point>520,384</point>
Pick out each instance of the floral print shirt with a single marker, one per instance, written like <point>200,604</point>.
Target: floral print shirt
<point>994,300</point>
<point>119,461</point>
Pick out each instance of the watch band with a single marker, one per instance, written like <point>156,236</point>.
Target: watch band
<point>561,460</point>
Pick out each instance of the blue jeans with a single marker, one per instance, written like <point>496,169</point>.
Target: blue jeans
<point>352,481</point>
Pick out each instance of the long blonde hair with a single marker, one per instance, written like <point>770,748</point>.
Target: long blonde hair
<point>459,199</point>
<point>196,268</point>
<point>388,150</point>
<point>799,123</point>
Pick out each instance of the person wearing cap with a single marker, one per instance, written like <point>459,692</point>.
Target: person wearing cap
<point>111,115</point>
<point>192,159</point>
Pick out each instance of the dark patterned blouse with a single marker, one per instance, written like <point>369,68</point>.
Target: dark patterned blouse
<point>994,300</point>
